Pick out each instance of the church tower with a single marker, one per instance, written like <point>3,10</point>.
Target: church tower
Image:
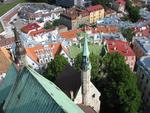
<point>19,49</point>
<point>85,73</point>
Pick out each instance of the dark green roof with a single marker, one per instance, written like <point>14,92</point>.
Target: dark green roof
<point>7,83</point>
<point>32,93</point>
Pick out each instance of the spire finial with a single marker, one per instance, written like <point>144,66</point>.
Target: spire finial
<point>86,62</point>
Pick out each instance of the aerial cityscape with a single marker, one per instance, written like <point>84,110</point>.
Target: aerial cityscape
<point>74,56</point>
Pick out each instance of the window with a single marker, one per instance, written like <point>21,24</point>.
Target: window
<point>147,81</point>
<point>93,96</point>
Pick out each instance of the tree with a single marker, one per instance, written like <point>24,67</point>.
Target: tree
<point>128,34</point>
<point>104,3</point>
<point>132,11</point>
<point>94,59</point>
<point>55,67</point>
<point>119,91</point>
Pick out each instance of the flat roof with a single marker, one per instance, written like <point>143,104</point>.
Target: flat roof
<point>144,43</point>
<point>145,62</point>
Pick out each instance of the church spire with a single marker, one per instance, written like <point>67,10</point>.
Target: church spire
<point>86,65</point>
<point>19,49</point>
<point>85,72</point>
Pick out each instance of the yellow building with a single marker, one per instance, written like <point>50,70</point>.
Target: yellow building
<point>96,12</point>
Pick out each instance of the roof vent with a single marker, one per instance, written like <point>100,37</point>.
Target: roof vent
<point>115,48</point>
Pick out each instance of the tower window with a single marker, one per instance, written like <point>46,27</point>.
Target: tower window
<point>93,95</point>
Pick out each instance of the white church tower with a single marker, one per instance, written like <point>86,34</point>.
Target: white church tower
<point>88,94</point>
<point>85,74</point>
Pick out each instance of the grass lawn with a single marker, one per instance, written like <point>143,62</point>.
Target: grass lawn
<point>5,7</point>
<point>75,50</point>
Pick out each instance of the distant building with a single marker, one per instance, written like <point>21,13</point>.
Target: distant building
<point>6,42</point>
<point>73,17</point>
<point>38,56</point>
<point>97,33</point>
<point>143,73</point>
<point>142,31</point>
<point>110,12</point>
<point>30,27</point>
<point>124,49</point>
<point>141,46</point>
<point>39,12</point>
<point>28,91</point>
<point>119,5</point>
<point>96,12</point>
<point>70,3</point>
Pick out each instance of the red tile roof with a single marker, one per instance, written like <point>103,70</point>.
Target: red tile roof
<point>94,8</point>
<point>121,1</point>
<point>119,46</point>
<point>29,27</point>
<point>32,54</point>
<point>70,34</point>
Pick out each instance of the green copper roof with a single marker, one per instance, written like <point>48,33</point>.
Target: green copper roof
<point>85,48</point>
<point>32,93</point>
<point>7,83</point>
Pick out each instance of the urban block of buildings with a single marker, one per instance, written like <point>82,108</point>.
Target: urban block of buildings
<point>141,46</point>
<point>75,17</point>
<point>143,74</point>
<point>123,48</point>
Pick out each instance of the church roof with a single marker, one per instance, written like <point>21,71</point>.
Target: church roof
<point>69,80</point>
<point>7,83</point>
<point>35,94</point>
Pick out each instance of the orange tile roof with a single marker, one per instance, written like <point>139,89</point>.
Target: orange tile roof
<point>73,33</point>
<point>31,51</point>
<point>70,34</point>
<point>4,61</point>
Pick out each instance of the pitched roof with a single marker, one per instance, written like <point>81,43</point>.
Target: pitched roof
<point>69,82</point>
<point>119,46</point>
<point>94,8</point>
<point>4,64</point>
<point>31,52</point>
<point>29,27</point>
<point>7,83</point>
<point>35,94</point>
<point>6,41</point>
<point>33,33</point>
<point>70,34</point>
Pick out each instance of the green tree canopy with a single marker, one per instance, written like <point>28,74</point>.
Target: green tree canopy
<point>132,11</point>
<point>94,59</point>
<point>119,91</point>
<point>55,67</point>
<point>128,34</point>
<point>104,3</point>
